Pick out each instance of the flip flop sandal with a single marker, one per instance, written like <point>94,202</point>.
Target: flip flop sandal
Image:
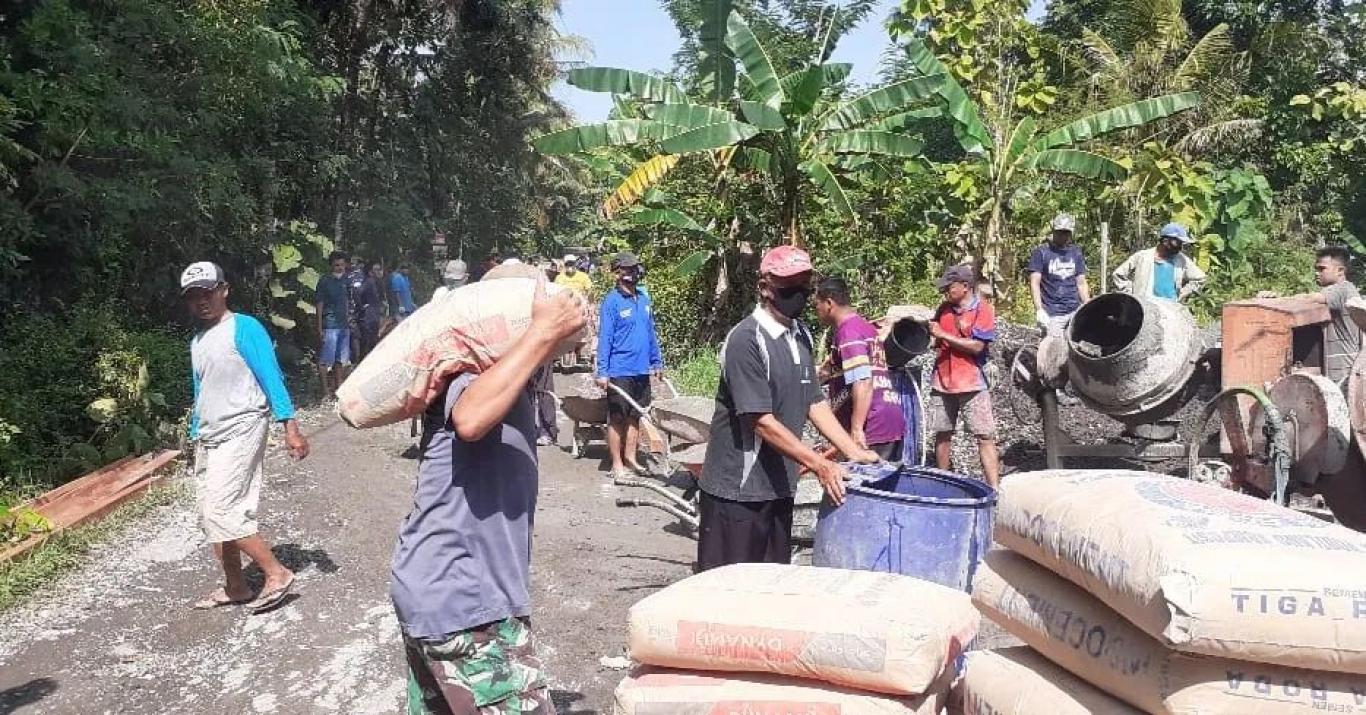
<point>213,601</point>
<point>270,600</point>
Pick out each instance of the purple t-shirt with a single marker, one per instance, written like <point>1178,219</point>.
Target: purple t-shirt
<point>464,553</point>
<point>857,355</point>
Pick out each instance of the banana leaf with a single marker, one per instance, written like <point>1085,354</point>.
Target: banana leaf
<point>1080,163</point>
<point>901,120</point>
<point>1121,117</point>
<point>620,81</point>
<point>711,136</point>
<point>881,101</point>
<point>968,127</point>
<point>804,87</point>
<point>872,142</point>
<point>693,263</point>
<point>822,177</point>
<point>690,116</point>
<point>616,132</point>
<point>763,116</point>
<point>714,62</point>
<point>751,53</point>
<point>642,179</point>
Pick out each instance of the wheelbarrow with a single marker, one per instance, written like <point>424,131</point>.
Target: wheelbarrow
<point>685,422</point>
<point>589,415</point>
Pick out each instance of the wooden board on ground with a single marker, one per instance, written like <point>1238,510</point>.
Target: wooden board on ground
<point>91,497</point>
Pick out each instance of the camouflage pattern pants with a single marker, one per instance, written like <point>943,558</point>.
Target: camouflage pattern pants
<point>489,670</point>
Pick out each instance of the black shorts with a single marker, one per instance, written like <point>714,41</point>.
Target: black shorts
<point>637,386</point>
<point>889,451</point>
<point>739,532</point>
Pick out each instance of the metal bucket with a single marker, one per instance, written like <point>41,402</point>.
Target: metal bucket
<point>1131,357</point>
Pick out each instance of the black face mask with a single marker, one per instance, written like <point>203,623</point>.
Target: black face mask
<point>629,275</point>
<point>790,302</point>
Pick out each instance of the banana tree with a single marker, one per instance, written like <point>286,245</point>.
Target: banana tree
<point>793,129</point>
<point>1012,155</point>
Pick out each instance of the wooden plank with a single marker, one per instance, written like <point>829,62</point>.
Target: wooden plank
<point>102,491</point>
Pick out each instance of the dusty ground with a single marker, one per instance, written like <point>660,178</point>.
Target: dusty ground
<point>117,636</point>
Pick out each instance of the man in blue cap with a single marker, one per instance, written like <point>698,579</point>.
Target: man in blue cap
<point>1163,271</point>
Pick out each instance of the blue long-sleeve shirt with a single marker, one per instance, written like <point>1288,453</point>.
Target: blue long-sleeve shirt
<point>627,342</point>
<point>236,378</point>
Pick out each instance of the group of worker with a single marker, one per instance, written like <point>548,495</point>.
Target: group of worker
<point>460,576</point>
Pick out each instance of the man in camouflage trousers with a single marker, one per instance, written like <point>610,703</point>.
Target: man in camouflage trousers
<point>461,572</point>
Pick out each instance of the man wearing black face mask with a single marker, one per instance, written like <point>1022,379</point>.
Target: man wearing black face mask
<point>767,393</point>
<point>628,352</point>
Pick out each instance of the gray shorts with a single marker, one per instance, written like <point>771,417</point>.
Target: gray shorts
<point>944,410</point>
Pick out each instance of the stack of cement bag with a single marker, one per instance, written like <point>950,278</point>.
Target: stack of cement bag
<point>1163,595</point>
<point>768,638</point>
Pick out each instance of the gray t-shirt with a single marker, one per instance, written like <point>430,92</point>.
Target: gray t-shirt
<point>464,553</point>
<point>1341,336</point>
<point>766,368</point>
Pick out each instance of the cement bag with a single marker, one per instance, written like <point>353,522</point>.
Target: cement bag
<point>1075,630</point>
<point>1205,569</point>
<point>1019,681</point>
<point>873,631</point>
<point>654,691</point>
<point>465,330</point>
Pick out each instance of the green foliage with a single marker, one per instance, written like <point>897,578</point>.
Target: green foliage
<point>20,522</point>
<point>699,374</point>
<point>295,277</point>
<point>82,390</point>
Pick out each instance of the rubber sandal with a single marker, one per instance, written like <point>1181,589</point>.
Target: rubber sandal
<point>270,600</point>
<point>212,601</point>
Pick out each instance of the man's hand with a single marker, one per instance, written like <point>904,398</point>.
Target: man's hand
<point>860,438</point>
<point>831,476</point>
<point>601,382</point>
<point>864,456</point>
<point>1041,316</point>
<point>936,330</point>
<point>295,441</point>
<point>556,317</point>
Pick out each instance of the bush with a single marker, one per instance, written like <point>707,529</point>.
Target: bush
<point>81,389</point>
<point>698,375</point>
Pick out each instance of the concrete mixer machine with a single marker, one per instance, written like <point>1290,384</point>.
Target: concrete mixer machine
<point>1282,427</point>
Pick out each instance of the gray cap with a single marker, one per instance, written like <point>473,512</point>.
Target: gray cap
<point>961,273</point>
<point>1064,222</point>
<point>625,259</point>
<point>456,270</point>
<point>204,274</point>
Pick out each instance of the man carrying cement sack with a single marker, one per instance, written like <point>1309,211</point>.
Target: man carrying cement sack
<point>238,388</point>
<point>460,577</point>
<point>767,393</point>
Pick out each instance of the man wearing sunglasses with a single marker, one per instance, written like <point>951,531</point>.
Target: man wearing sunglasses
<point>768,391</point>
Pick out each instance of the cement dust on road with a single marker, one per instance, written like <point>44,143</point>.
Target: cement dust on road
<point>117,636</point>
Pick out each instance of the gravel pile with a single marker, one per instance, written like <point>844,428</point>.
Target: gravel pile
<point>1019,431</point>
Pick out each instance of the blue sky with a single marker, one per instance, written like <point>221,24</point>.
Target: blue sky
<point>639,35</point>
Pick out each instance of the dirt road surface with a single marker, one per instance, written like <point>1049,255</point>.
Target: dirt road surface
<point>117,636</point>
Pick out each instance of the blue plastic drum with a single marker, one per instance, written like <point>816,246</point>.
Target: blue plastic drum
<point>921,522</point>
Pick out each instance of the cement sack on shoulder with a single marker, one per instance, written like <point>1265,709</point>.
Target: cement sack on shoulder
<point>656,691</point>
<point>1075,630</point>
<point>873,631</point>
<point>1204,569</point>
<point>1019,681</point>
<point>465,330</point>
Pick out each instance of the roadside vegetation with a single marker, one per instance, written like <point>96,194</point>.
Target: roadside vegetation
<point>141,135</point>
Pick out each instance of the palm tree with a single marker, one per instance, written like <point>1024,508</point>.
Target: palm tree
<point>1013,155</point>
<point>794,129</point>
<point>1145,48</point>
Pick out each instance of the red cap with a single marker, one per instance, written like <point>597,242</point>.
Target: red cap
<point>785,261</point>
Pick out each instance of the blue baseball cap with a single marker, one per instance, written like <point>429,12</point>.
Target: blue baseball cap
<point>1176,231</point>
